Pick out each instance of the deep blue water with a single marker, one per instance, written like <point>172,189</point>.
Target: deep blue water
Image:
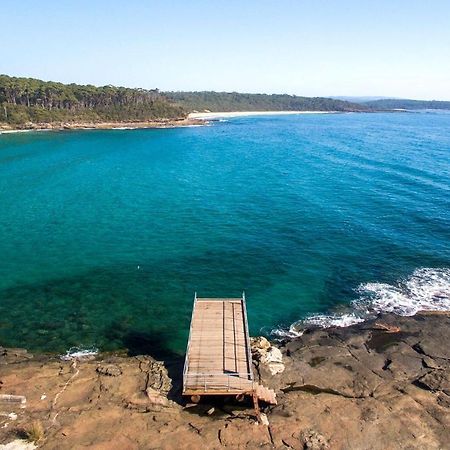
<point>105,235</point>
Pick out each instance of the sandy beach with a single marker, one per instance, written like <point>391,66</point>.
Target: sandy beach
<point>221,115</point>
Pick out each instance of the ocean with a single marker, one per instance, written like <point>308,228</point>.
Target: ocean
<point>105,235</point>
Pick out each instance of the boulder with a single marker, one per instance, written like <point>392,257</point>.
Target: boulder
<point>312,440</point>
<point>109,370</point>
<point>267,355</point>
<point>274,360</point>
<point>156,398</point>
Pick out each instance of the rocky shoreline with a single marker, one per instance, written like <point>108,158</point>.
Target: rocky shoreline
<point>381,384</point>
<point>59,126</point>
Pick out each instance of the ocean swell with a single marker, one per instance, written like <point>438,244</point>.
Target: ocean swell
<point>426,289</point>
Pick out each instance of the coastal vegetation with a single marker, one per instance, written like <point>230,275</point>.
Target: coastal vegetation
<point>28,101</point>
<point>392,103</point>
<point>24,100</point>
<point>35,432</point>
<point>234,101</point>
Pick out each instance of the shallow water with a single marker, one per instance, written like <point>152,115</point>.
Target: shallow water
<point>105,235</point>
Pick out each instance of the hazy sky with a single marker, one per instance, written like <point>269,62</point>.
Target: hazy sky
<point>398,48</point>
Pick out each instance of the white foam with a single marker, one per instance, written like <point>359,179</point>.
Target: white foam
<point>318,321</point>
<point>333,320</point>
<point>77,353</point>
<point>25,131</point>
<point>427,289</point>
<point>290,333</point>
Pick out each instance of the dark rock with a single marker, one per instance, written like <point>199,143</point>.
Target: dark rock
<point>432,346</point>
<point>109,370</point>
<point>11,355</point>
<point>430,363</point>
<point>312,440</point>
<point>381,340</point>
<point>375,385</point>
<point>436,380</point>
<point>333,369</point>
<point>157,376</point>
<point>444,400</point>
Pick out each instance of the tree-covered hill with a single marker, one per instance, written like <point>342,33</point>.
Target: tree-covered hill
<point>25,100</point>
<point>234,101</point>
<point>391,103</point>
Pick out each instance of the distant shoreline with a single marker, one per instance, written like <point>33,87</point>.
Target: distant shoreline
<point>229,114</point>
<point>58,126</point>
<point>193,119</point>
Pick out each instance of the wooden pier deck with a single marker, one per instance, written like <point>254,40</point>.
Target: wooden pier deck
<point>218,359</point>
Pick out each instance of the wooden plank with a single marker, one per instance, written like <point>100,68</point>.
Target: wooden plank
<point>217,359</point>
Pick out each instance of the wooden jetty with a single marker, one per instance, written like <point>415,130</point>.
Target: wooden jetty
<point>218,357</point>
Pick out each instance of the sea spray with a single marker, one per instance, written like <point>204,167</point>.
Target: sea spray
<point>78,353</point>
<point>427,289</point>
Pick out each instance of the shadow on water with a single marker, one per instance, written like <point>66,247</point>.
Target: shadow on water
<point>152,344</point>
<point>99,307</point>
<point>155,345</point>
<point>120,307</point>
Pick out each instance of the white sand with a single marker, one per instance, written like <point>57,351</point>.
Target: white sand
<point>14,131</point>
<point>25,131</point>
<point>218,115</point>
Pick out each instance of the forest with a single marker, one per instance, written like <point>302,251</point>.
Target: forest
<point>234,101</point>
<point>29,101</point>
<point>25,100</point>
<point>392,103</point>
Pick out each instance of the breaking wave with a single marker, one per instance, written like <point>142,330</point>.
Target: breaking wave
<point>427,289</point>
<point>77,353</point>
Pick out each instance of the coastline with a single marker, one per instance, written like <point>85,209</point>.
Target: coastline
<point>230,114</point>
<point>193,119</point>
<point>364,386</point>
<point>61,126</point>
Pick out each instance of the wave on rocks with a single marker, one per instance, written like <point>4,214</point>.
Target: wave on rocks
<point>78,353</point>
<point>426,289</point>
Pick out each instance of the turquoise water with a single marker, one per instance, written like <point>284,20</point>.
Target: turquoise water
<point>105,235</point>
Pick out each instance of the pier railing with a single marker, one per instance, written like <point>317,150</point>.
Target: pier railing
<point>211,346</point>
<point>247,338</point>
<point>186,360</point>
<point>210,382</point>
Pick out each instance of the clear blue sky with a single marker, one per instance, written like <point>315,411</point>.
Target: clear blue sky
<point>397,48</point>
